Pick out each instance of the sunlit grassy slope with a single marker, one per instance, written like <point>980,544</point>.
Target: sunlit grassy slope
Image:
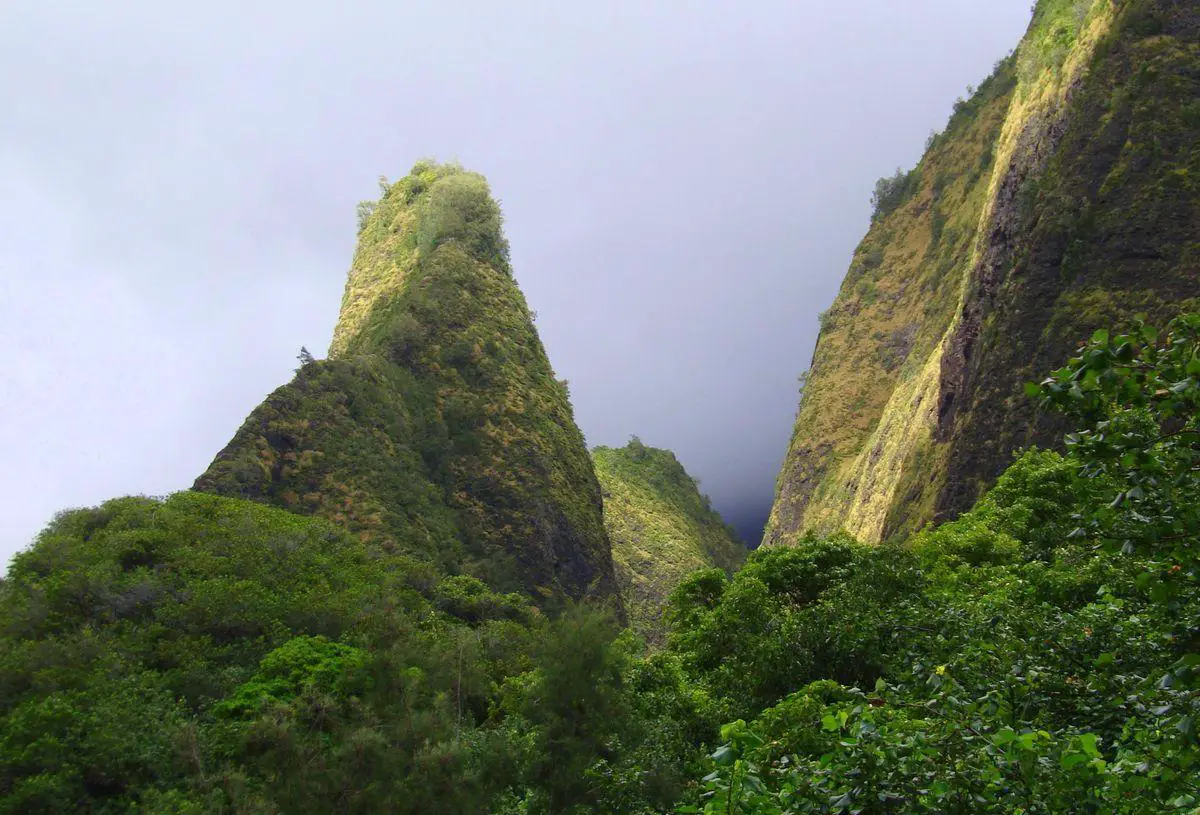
<point>661,528</point>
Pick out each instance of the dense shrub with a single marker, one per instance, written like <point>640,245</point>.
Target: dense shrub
<point>209,654</point>
<point>892,191</point>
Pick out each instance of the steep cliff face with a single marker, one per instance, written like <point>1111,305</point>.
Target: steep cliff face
<point>661,529</point>
<point>436,427</point>
<point>1062,197</point>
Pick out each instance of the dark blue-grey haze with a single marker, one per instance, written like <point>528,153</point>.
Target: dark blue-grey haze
<point>683,185</point>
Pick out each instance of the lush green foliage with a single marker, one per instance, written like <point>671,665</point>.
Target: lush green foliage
<point>1009,661</point>
<point>1136,400</point>
<point>207,654</point>
<point>661,528</point>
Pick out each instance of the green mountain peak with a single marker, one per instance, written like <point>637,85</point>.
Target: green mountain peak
<point>435,205</point>
<point>436,427</point>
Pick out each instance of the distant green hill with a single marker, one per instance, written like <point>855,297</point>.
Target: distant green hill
<point>660,526</point>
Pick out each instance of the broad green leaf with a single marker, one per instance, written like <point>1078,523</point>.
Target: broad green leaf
<point>1070,760</point>
<point>1003,737</point>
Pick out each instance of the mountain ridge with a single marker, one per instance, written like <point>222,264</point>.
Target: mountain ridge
<point>907,425</point>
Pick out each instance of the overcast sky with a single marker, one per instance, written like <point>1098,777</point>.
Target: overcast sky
<point>683,185</point>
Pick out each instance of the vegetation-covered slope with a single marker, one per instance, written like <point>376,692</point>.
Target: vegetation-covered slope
<point>1061,197</point>
<point>205,654</point>
<point>661,528</point>
<point>437,426</point>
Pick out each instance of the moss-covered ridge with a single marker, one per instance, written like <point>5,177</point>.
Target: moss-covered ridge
<point>881,338</point>
<point>437,425</point>
<point>661,527</point>
<point>1057,200</point>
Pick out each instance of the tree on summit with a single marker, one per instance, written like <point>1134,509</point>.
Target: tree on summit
<point>306,358</point>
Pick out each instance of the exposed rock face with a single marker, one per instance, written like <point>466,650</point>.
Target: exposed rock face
<point>661,529</point>
<point>436,427</point>
<point>1063,197</point>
